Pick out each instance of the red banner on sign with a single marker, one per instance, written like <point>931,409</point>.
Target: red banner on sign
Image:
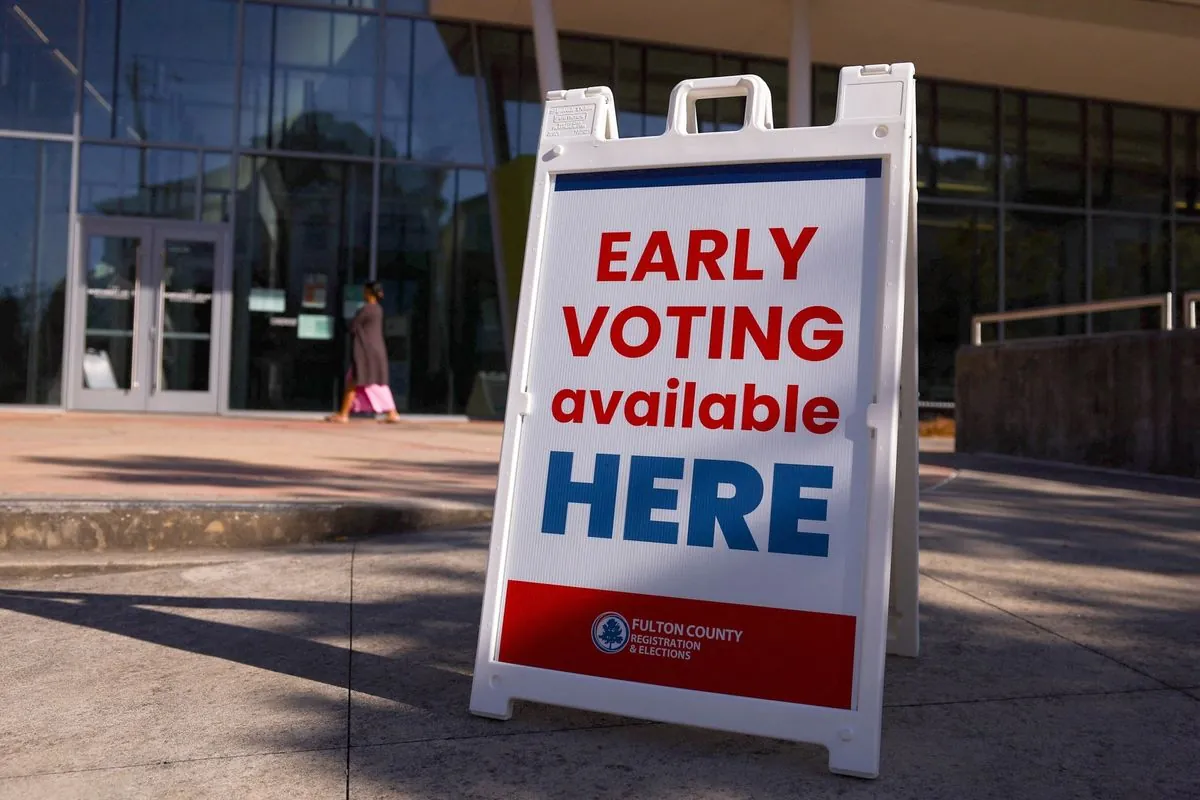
<point>768,653</point>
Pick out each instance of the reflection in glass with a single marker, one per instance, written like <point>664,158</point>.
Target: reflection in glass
<point>1130,258</point>
<point>962,158</point>
<point>1187,165</point>
<point>160,72</point>
<point>185,315</point>
<point>38,57</point>
<point>1044,266</point>
<point>35,180</point>
<point>365,5</point>
<point>514,101</point>
<point>137,182</point>
<point>216,187</point>
<point>825,87</point>
<point>925,127</point>
<point>1187,260</point>
<point>435,260</point>
<point>308,82</point>
<point>1129,158</point>
<point>1043,150</point>
<point>431,111</point>
<point>957,279</point>
<point>110,318</point>
<point>630,90</point>
<point>302,237</point>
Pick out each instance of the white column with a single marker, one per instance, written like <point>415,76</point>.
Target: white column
<point>545,45</point>
<point>800,68</point>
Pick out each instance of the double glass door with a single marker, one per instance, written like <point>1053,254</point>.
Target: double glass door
<point>149,314</point>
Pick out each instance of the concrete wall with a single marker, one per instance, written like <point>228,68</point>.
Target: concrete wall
<point>1130,401</point>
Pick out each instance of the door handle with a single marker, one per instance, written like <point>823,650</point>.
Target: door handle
<point>156,329</point>
<point>134,363</point>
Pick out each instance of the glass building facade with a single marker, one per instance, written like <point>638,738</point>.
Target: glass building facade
<point>240,169</point>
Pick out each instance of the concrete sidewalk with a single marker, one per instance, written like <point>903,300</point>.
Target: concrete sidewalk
<point>105,482</point>
<point>149,458</point>
<point>1061,659</point>
<point>115,482</point>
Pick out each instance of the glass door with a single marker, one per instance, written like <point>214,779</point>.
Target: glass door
<point>149,334</point>
<point>115,317</point>
<point>183,355</point>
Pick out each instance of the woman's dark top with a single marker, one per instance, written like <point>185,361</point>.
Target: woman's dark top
<point>370,353</point>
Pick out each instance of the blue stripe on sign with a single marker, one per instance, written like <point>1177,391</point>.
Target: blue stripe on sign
<point>778,172</point>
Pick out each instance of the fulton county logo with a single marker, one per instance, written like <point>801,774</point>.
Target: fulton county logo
<point>610,632</point>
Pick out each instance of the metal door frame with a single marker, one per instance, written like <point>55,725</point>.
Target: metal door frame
<point>207,402</point>
<point>153,233</point>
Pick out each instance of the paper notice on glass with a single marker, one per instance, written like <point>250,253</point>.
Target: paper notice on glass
<point>98,371</point>
<point>314,326</point>
<point>314,290</point>
<point>268,301</point>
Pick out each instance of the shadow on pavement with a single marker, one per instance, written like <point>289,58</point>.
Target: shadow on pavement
<point>967,719</point>
<point>286,653</point>
<point>463,480</point>
<point>1066,473</point>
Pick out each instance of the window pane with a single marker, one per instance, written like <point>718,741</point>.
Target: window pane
<point>630,90</point>
<point>510,78</point>
<point>665,69</point>
<point>137,182</point>
<point>586,62</point>
<point>39,42</point>
<point>445,107</point>
<point>302,235</point>
<point>1044,266</point>
<point>1187,180</point>
<point>926,150</point>
<point>1130,258</point>
<point>1043,150</point>
<point>956,280</point>
<point>775,74</point>
<point>361,4</point>
<point>1129,158</point>
<point>216,187</point>
<point>35,181</point>
<point>435,260</point>
<point>730,111</point>
<point>160,72</point>
<point>825,90</point>
<point>308,82</point>
<point>1187,259</point>
<point>478,343</point>
<point>964,152</point>
<point>416,264</point>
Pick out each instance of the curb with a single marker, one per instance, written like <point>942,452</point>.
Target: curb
<point>42,525</point>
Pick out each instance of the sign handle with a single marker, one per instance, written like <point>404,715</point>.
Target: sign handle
<point>682,108</point>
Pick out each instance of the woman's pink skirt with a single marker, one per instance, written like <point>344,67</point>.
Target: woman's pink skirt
<point>374,399</point>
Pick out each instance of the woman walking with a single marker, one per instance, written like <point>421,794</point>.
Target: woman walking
<point>367,383</point>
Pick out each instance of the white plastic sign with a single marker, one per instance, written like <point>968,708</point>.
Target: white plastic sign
<point>695,508</point>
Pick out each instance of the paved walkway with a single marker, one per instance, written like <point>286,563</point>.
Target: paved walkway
<point>109,457</point>
<point>103,456</point>
<point>1060,659</point>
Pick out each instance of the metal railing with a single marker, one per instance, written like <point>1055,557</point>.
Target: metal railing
<point>1163,302</point>
<point>1190,301</point>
